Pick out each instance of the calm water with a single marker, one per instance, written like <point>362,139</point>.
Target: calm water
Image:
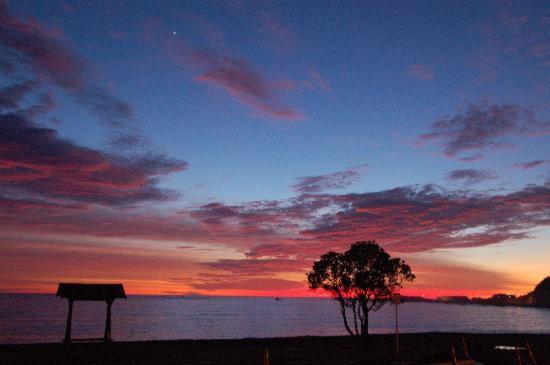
<point>41,318</point>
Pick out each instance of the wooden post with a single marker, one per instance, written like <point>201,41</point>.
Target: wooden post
<point>466,352</point>
<point>396,333</point>
<point>530,352</point>
<point>107,335</point>
<point>453,355</point>
<point>518,355</point>
<point>396,299</point>
<point>265,360</point>
<point>69,320</point>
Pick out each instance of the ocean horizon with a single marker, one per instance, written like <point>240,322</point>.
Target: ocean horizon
<point>41,318</point>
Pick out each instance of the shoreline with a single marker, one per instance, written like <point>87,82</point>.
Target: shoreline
<point>415,348</point>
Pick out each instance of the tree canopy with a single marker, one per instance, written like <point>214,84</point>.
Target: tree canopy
<point>362,279</point>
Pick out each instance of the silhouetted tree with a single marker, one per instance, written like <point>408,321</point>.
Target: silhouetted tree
<point>361,279</point>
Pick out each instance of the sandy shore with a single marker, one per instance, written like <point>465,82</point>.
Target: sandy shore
<point>424,348</point>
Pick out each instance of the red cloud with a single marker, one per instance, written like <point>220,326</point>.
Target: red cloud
<point>258,267</point>
<point>211,283</point>
<point>286,236</point>
<point>405,219</point>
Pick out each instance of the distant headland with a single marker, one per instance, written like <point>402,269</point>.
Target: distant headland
<point>539,297</point>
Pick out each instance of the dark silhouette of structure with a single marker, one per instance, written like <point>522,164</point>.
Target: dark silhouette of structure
<point>90,292</point>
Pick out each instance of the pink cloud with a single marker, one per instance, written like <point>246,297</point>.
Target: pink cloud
<point>278,36</point>
<point>421,72</point>
<point>317,82</point>
<point>239,79</point>
<point>531,164</point>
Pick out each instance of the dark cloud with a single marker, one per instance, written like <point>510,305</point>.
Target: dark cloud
<point>105,105</point>
<point>336,180</point>
<point>410,219</point>
<point>531,164</point>
<point>471,176</point>
<point>404,219</point>
<point>7,68</point>
<point>50,59</point>
<point>512,40</point>
<point>481,126</point>
<point>11,96</point>
<point>43,49</point>
<point>471,158</point>
<point>127,140</point>
<point>43,105</point>
<point>34,160</point>
<point>243,82</point>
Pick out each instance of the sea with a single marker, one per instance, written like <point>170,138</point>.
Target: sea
<point>35,318</point>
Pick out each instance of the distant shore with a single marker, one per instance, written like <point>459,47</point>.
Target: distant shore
<point>420,348</point>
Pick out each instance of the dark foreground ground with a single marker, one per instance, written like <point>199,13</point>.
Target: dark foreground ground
<point>424,348</point>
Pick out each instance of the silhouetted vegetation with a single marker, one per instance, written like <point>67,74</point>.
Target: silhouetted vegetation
<point>361,279</point>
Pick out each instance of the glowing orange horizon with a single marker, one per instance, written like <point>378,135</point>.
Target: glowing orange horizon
<point>293,293</point>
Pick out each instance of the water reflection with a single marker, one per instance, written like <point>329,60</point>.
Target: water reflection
<point>41,318</point>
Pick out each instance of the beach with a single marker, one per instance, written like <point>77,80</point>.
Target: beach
<point>419,348</point>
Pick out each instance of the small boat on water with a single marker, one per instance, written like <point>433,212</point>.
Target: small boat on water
<point>277,298</point>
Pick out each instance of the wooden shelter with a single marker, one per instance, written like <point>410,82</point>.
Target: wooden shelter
<point>90,292</point>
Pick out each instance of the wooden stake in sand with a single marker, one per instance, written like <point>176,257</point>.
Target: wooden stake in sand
<point>453,355</point>
<point>530,353</point>
<point>396,299</point>
<point>466,352</point>
<point>266,357</point>
<point>518,355</point>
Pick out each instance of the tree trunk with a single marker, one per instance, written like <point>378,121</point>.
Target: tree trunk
<point>355,317</point>
<point>365,324</point>
<point>343,311</point>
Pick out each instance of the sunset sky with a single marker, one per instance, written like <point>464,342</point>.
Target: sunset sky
<point>221,147</point>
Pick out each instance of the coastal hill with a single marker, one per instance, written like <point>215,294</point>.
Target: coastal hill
<point>540,297</point>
